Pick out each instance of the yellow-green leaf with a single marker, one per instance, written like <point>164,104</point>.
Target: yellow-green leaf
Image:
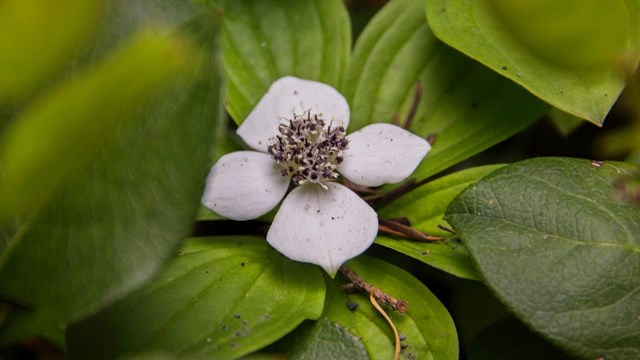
<point>37,38</point>
<point>64,128</point>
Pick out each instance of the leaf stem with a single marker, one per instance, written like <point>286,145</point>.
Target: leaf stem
<point>396,354</point>
<point>413,109</point>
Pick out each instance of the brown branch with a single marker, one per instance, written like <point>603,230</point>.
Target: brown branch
<point>407,231</point>
<point>379,200</point>
<point>359,284</point>
<point>444,228</point>
<point>388,231</point>
<point>360,188</point>
<point>431,138</point>
<point>413,109</point>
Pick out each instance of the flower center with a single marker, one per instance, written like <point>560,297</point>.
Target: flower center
<point>308,151</point>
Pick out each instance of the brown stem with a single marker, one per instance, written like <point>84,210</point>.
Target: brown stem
<point>444,228</point>
<point>408,231</point>
<point>380,200</point>
<point>413,109</point>
<point>389,231</point>
<point>361,188</point>
<point>431,138</point>
<point>359,284</point>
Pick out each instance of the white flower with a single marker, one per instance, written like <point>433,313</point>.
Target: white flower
<point>297,132</point>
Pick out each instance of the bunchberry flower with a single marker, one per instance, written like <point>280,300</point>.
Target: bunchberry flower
<point>298,133</point>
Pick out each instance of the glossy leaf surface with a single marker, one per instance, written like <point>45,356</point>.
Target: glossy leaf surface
<point>427,328</point>
<point>221,297</point>
<point>467,106</point>
<point>266,40</point>
<point>425,207</point>
<point>513,50</point>
<point>324,340</point>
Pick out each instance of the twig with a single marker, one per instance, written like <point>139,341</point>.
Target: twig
<point>407,231</point>
<point>444,228</point>
<point>360,188</point>
<point>379,200</point>
<point>414,106</point>
<point>358,284</point>
<point>431,138</point>
<point>386,230</point>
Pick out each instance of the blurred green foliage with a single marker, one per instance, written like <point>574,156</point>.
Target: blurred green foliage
<point>38,38</point>
<point>64,127</point>
<point>103,150</point>
<point>570,33</point>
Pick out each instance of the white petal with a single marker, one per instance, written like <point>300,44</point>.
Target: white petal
<point>382,154</point>
<point>286,96</point>
<point>244,185</point>
<point>323,227</point>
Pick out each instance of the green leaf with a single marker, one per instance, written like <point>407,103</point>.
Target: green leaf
<point>38,38</point>
<point>425,207</point>
<point>552,28</point>
<point>509,340</point>
<point>571,33</point>
<point>222,297</point>
<point>265,40</point>
<point>323,340</point>
<point>56,133</point>
<point>467,106</point>
<point>427,328</point>
<point>558,244</point>
<point>116,218</point>
<point>565,123</point>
